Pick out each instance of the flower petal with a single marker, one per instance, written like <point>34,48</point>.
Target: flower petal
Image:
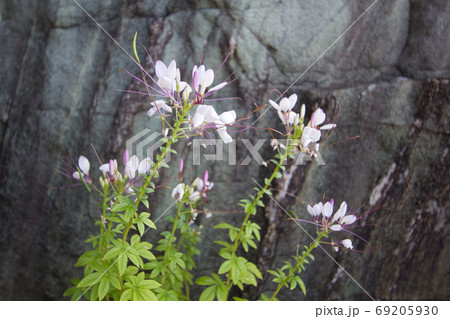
<point>228,117</point>
<point>350,219</point>
<point>208,78</point>
<point>275,105</point>
<point>104,168</point>
<point>327,209</point>
<point>327,126</point>
<point>144,166</point>
<point>336,227</point>
<point>319,117</point>
<point>226,138</point>
<point>77,175</point>
<point>218,87</point>
<point>341,211</point>
<point>293,100</point>
<point>160,69</point>
<point>83,164</point>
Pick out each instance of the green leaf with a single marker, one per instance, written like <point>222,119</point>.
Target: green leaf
<point>208,294</point>
<point>149,284</point>
<point>112,253</point>
<point>147,295</point>
<point>127,295</point>
<point>278,175</point>
<point>89,280</point>
<point>226,266</point>
<point>224,226</point>
<point>135,259</point>
<point>120,207</point>
<point>146,254</point>
<point>115,282</point>
<point>205,281</point>
<point>103,287</point>
<point>301,284</point>
<point>122,263</point>
<point>253,269</point>
<point>221,292</point>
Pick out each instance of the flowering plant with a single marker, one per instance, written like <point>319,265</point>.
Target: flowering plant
<point>123,266</point>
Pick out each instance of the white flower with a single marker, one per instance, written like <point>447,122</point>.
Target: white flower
<point>178,192</point>
<point>347,243</point>
<point>84,166</point>
<point>343,219</point>
<point>289,118</point>
<point>202,78</point>
<point>286,104</point>
<point>206,114</point>
<point>131,167</point>
<point>310,135</point>
<point>144,166</point>
<point>226,118</point>
<point>159,106</point>
<point>317,118</point>
<point>284,110</point>
<point>168,77</point>
<point>194,196</point>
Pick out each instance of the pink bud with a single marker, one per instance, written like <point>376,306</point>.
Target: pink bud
<point>180,165</point>
<point>111,168</point>
<point>205,177</point>
<point>180,169</point>
<point>125,157</point>
<point>195,81</point>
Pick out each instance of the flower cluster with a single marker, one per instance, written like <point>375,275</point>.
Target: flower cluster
<point>177,95</point>
<point>339,221</point>
<point>311,133</point>
<point>133,168</point>
<point>203,186</point>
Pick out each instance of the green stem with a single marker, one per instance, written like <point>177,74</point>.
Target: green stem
<point>255,200</point>
<point>299,263</point>
<point>155,170</point>
<point>167,253</point>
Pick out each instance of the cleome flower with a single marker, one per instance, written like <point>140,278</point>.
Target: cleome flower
<point>83,173</point>
<point>159,107</point>
<point>169,77</point>
<point>132,166</point>
<point>312,132</point>
<point>324,218</point>
<point>284,110</point>
<point>206,118</point>
<point>201,80</point>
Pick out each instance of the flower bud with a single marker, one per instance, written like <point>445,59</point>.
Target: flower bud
<point>180,170</point>
<point>125,157</point>
<point>302,113</point>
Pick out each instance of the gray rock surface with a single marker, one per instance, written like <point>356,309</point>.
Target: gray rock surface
<point>388,68</point>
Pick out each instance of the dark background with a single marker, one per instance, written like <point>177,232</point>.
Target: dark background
<point>389,72</point>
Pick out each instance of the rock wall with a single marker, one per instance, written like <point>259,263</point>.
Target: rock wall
<point>383,66</point>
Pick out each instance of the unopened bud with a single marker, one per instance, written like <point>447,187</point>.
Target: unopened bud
<point>302,113</point>
<point>180,170</point>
